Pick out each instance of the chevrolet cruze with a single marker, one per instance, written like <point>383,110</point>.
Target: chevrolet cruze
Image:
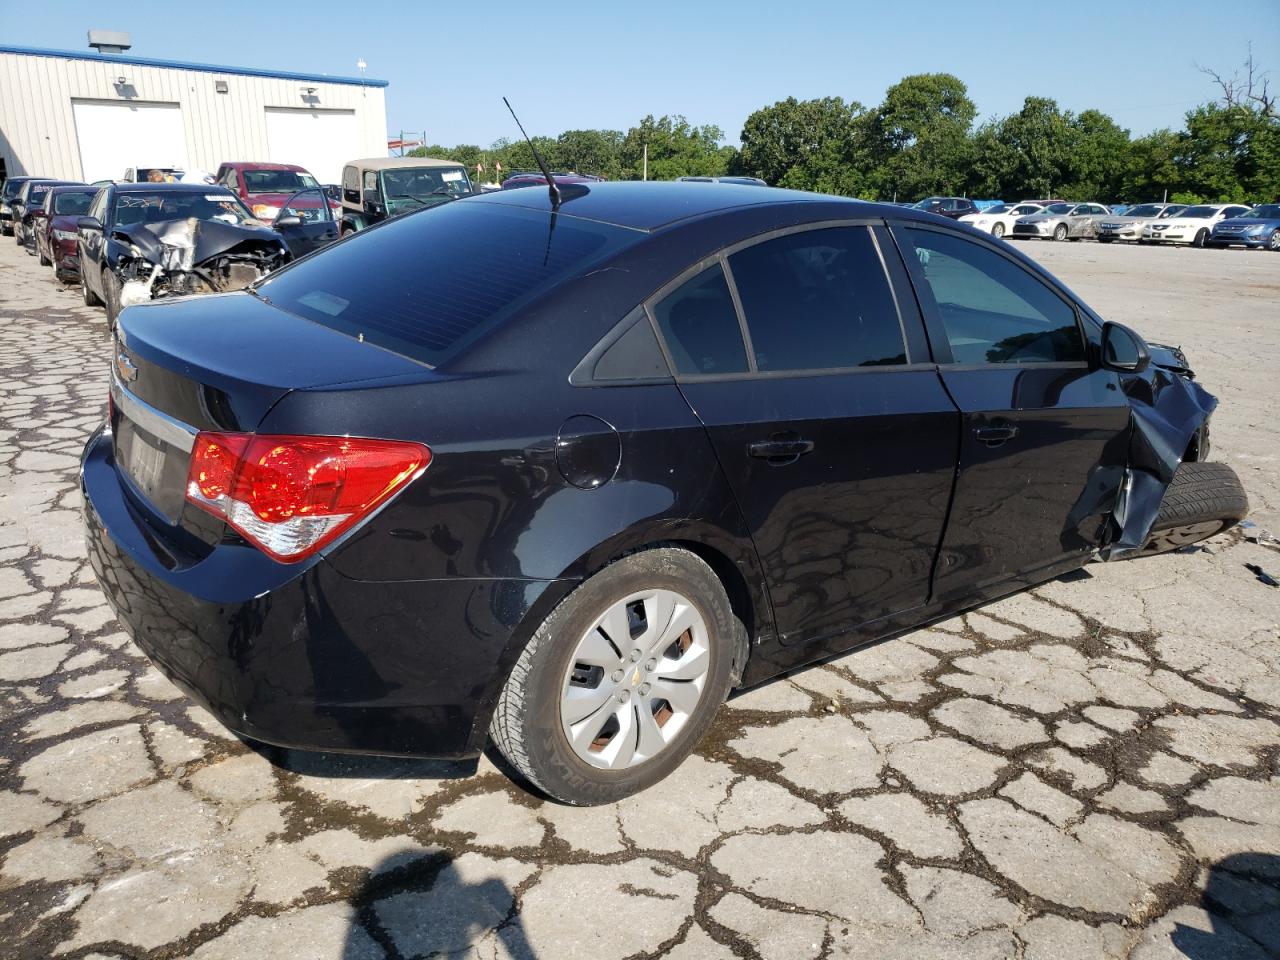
<point>560,472</point>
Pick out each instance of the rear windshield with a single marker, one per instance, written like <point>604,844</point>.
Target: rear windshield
<point>71,203</point>
<point>427,284</point>
<point>11,187</point>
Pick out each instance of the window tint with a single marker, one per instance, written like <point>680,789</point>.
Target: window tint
<point>817,300</point>
<point>993,310</point>
<point>700,325</point>
<point>633,356</point>
<point>426,284</point>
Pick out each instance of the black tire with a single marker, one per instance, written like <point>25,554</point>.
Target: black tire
<point>1273,242</point>
<point>1203,500</point>
<point>1105,239</point>
<point>91,299</point>
<point>1201,236</point>
<point>526,725</point>
<point>1060,232</point>
<point>110,298</point>
<point>997,230</point>
<point>44,261</point>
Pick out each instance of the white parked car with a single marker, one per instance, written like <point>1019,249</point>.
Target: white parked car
<point>1193,225</point>
<point>998,220</point>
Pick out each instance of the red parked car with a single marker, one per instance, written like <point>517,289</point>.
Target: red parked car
<point>55,235</point>
<point>266,187</point>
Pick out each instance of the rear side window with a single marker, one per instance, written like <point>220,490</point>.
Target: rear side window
<point>700,325</point>
<point>993,310</point>
<point>427,284</point>
<point>818,300</point>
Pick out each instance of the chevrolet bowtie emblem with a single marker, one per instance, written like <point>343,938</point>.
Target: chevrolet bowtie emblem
<point>126,369</point>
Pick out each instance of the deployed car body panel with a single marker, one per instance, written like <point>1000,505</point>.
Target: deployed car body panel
<point>552,455</point>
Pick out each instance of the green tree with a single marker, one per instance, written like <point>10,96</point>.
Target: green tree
<point>1151,167</point>
<point>920,136</point>
<point>807,145</point>
<point>1099,149</point>
<point>676,149</point>
<point>591,151</point>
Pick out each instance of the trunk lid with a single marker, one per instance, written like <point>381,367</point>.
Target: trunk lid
<point>217,362</point>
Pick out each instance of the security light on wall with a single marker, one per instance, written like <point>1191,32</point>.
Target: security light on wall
<point>309,90</point>
<point>122,81</point>
<point>220,86</point>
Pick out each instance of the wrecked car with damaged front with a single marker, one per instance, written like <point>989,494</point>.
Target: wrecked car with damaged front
<point>609,451</point>
<point>141,242</point>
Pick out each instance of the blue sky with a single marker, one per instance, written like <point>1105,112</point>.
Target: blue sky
<point>608,64</point>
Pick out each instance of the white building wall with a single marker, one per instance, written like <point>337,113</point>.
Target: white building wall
<point>37,125</point>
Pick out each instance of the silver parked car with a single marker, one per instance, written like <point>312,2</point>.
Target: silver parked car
<point>1129,226</point>
<point>1061,221</point>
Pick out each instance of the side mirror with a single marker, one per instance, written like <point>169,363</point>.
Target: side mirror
<point>1123,350</point>
<point>290,221</point>
<point>89,223</point>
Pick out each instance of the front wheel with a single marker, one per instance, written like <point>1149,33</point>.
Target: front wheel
<point>621,680</point>
<point>1203,500</point>
<point>997,230</point>
<point>1060,232</point>
<point>91,299</point>
<point>1200,238</point>
<point>1274,242</point>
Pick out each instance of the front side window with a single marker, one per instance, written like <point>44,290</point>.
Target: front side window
<point>700,325</point>
<point>993,310</point>
<point>309,206</point>
<point>818,299</point>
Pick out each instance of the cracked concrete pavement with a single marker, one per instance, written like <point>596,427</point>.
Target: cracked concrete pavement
<point>1088,769</point>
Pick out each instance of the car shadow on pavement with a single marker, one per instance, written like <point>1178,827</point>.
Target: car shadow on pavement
<point>1242,900</point>
<point>349,766</point>
<point>433,908</point>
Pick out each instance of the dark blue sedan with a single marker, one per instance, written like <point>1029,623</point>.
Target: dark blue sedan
<point>560,473</point>
<point>1260,227</point>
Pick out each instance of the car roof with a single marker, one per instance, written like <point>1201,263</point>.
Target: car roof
<point>71,187</point>
<point>653,204</point>
<point>255,165</point>
<point>394,163</point>
<point>170,188</point>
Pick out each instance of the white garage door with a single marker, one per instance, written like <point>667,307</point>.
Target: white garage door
<point>320,140</point>
<point>114,135</point>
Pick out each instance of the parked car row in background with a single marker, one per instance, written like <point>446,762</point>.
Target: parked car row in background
<point>1199,225</point>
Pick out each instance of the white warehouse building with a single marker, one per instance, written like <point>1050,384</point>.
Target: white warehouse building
<point>90,116</point>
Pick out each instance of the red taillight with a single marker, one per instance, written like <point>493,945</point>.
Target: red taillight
<point>291,496</point>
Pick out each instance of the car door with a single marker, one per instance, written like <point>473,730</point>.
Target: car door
<point>831,425</point>
<point>90,241</point>
<point>305,222</point>
<point>1045,429</point>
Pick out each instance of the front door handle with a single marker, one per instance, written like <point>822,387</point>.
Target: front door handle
<point>994,436</point>
<point>780,451</point>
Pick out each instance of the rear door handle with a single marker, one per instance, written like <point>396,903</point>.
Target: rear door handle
<point>780,451</point>
<point>994,436</point>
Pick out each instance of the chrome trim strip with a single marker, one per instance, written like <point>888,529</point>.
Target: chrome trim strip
<point>158,424</point>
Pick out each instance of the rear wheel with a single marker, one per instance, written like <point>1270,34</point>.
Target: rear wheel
<point>1203,500</point>
<point>621,680</point>
<point>997,230</point>
<point>1060,232</point>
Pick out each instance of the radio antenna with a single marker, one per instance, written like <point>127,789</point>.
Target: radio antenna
<point>542,165</point>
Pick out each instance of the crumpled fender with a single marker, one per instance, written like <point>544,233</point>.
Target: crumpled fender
<point>1168,408</point>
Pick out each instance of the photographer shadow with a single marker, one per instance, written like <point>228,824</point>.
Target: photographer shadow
<point>1242,899</point>
<point>435,907</point>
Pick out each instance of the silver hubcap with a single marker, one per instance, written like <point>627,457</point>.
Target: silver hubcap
<point>635,679</point>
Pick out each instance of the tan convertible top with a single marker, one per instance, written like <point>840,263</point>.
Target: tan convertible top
<point>392,163</point>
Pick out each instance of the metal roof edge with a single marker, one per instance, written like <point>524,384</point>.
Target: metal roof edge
<point>181,65</point>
